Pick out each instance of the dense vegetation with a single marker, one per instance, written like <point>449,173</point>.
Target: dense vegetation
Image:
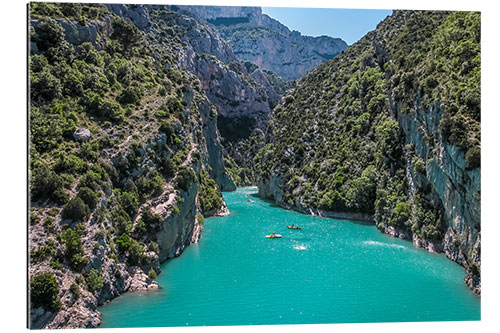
<point>114,123</point>
<point>336,142</point>
<point>44,291</point>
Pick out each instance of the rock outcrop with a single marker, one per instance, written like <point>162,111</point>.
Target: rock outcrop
<point>456,187</point>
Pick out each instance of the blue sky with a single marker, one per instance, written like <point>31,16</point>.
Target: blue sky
<point>348,24</point>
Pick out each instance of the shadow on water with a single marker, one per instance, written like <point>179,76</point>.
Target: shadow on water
<point>357,222</point>
<point>256,195</point>
<point>273,204</point>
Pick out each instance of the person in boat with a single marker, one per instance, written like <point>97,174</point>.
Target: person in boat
<point>274,234</point>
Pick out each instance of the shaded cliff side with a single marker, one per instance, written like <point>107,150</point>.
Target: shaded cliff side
<point>389,129</point>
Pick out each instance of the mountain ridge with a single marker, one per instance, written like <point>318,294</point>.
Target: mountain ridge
<point>274,47</point>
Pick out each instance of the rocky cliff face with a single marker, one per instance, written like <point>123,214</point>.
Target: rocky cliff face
<point>455,186</point>
<point>238,97</point>
<point>258,38</point>
<point>243,95</point>
<point>212,13</point>
<point>382,132</point>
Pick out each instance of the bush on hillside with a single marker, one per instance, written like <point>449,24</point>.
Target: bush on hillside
<point>73,248</point>
<point>76,210</point>
<point>473,157</point>
<point>94,280</point>
<point>88,196</point>
<point>185,176</point>
<point>44,291</point>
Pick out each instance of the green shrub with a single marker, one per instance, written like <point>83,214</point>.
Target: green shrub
<point>167,167</point>
<point>73,248</point>
<point>79,279</point>
<point>44,291</point>
<point>75,290</point>
<point>153,246</point>
<point>49,223</point>
<point>473,157</point>
<point>474,268</point>
<point>140,228</point>
<point>174,106</point>
<point>45,183</point>
<point>151,220</point>
<point>91,180</point>
<point>148,187</point>
<point>101,107</point>
<point>162,91</point>
<point>289,99</point>
<point>131,95</point>
<point>210,195</point>
<point>56,265</point>
<point>88,196</point>
<point>71,9</point>
<point>53,211</point>
<point>127,34</point>
<point>94,280</point>
<point>129,202</point>
<point>45,86</point>
<point>419,166</point>
<point>38,63</point>
<point>401,214</point>
<point>49,34</point>
<point>185,176</point>
<point>43,252</point>
<point>213,112</point>
<point>123,242</point>
<point>121,220</point>
<point>152,274</point>
<point>34,218</point>
<point>135,253</point>
<point>76,210</point>
<point>60,196</point>
<point>167,128</point>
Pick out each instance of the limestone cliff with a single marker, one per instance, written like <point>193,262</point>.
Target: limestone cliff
<point>258,38</point>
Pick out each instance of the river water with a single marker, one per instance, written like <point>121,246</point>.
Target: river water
<point>331,271</point>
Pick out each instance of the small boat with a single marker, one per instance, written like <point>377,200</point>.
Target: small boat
<point>294,227</point>
<point>250,200</point>
<point>274,236</point>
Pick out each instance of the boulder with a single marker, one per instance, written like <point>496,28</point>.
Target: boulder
<point>82,134</point>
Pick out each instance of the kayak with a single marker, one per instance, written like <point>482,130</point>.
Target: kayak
<point>274,236</point>
<point>296,228</point>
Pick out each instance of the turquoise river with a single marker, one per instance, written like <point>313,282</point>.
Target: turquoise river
<point>331,271</point>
